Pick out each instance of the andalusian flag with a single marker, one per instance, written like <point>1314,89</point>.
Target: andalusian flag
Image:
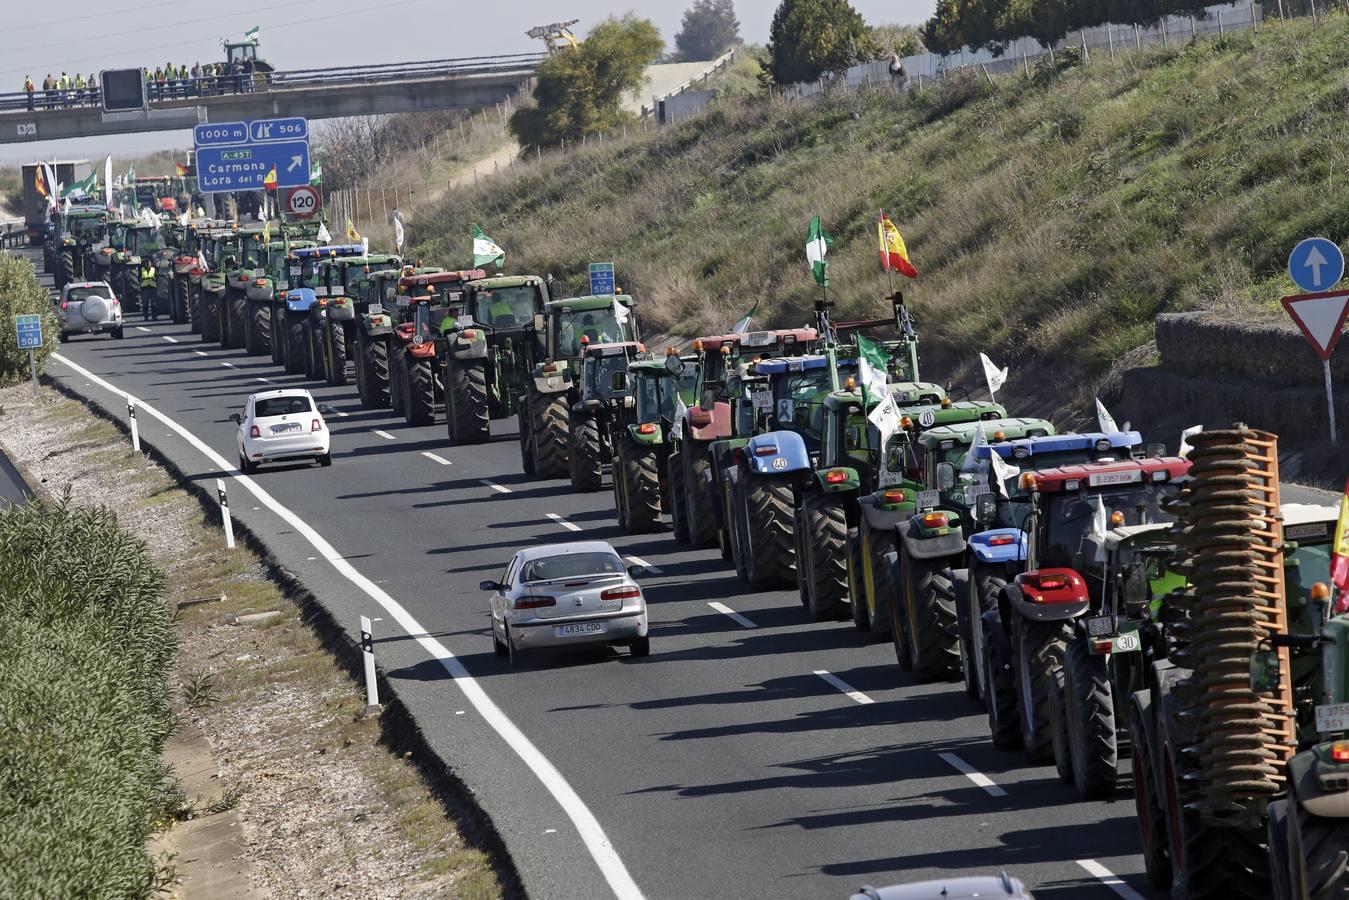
<point>316,173</point>
<point>352,234</point>
<point>742,325</point>
<point>269,180</point>
<point>251,34</point>
<point>485,250</point>
<point>84,185</point>
<point>872,362</point>
<point>1339,560</point>
<point>818,243</point>
<point>894,255</point>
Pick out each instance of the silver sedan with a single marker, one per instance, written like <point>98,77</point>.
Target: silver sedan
<point>564,595</point>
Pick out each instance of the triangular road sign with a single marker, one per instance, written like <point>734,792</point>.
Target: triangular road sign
<point>1321,318</point>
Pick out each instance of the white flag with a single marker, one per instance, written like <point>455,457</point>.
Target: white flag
<point>365,246</point>
<point>1100,524</point>
<point>740,327</point>
<point>885,417</point>
<point>65,208</point>
<point>973,465</point>
<point>681,410</point>
<point>398,233</point>
<point>873,380</point>
<point>53,187</point>
<point>995,376</point>
<point>107,181</point>
<point>323,236</point>
<point>201,261</point>
<point>1185,446</point>
<point>620,315</point>
<point>1104,420</point>
<point>1001,472</point>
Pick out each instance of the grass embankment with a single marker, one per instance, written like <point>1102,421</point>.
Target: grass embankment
<point>1051,217</point>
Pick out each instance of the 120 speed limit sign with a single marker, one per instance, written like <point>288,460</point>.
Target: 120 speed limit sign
<point>302,202</point>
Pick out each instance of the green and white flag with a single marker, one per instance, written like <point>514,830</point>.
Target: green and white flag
<point>316,173</point>
<point>742,325</point>
<point>871,365</point>
<point>485,250</point>
<point>131,176</point>
<point>1104,420</point>
<point>83,186</point>
<point>818,243</point>
<point>251,34</point>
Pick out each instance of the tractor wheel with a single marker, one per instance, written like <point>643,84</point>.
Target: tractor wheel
<point>466,412</point>
<point>1037,648</point>
<point>1089,705</point>
<point>311,351</point>
<point>549,435</point>
<point>702,522</point>
<point>635,468</point>
<point>65,269</point>
<point>930,606</point>
<point>210,319</point>
<point>617,487</point>
<point>1058,731</point>
<point>999,690</point>
<point>294,345</point>
<point>526,448</point>
<point>131,296</point>
<point>372,371</point>
<point>1148,808</point>
<point>257,327</point>
<point>674,478</point>
<point>1324,844</point>
<point>587,454</point>
<point>276,334</point>
<point>397,373</point>
<point>981,594</point>
<point>878,579</point>
<point>821,561</point>
<point>335,359</point>
<point>195,307</point>
<point>768,511</point>
<point>899,633</point>
<point>857,589</point>
<point>419,391</point>
<point>236,309</point>
<point>178,311</point>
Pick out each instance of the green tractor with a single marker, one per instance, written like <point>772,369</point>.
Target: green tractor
<point>267,294</point>
<point>374,332</point>
<point>642,447</point>
<point>119,263</point>
<point>545,438</point>
<point>603,394</point>
<point>489,360</point>
<point>77,243</point>
<point>220,322</point>
<point>348,303</point>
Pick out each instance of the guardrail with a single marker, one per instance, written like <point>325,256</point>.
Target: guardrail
<point>167,92</point>
<point>713,68</point>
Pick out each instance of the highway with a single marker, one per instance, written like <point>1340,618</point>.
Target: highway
<point>754,753</point>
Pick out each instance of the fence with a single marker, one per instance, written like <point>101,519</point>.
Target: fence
<point>658,103</point>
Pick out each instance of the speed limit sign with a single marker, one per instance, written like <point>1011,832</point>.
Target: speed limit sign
<point>302,202</point>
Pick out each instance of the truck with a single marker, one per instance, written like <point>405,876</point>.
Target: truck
<point>36,205</point>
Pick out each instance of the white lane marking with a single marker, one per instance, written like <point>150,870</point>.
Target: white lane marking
<point>735,616</point>
<point>638,561</point>
<point>142,328</point>
<point>440,459</point>
<point>384,434</point>
<point>973,774</point>
<point>1109,879</point>
<point>587,826</point>
<point>200,352</point>
<point>228,365</point>
<point>843,686</point>
<point>494,486</point>
<point>170,338</point>
<point>263,380</point>
<point>570,526</point>
<point>340,413</point>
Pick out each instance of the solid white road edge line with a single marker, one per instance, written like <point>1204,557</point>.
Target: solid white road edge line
<point>638,561</point>
<point>1109,879</point>
<point>843,686</point>
<point>170,338</point>
<point>384,434</point>
<point>440,459</point>
<point>494,486</point>
<point>735,616</point>
<point>973,774</point>
<point>587,826</point>
<point>563,522</point>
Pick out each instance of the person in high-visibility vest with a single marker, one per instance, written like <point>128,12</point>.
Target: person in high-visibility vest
<point>499,312</point>
<point>28,89</point>
<point>149,287</point>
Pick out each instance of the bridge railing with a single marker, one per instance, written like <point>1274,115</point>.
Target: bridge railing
<point>168,92</point>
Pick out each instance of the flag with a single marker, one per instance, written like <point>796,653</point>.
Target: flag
<point>266,232</point>
<point>1001,472</point>
<point>398,233</point>
<point>107,182</point>
<point>621,316</point>
<point>323,236</point>
<point>352,234</point>
<point>251,34</point>
<point>269,180</point>
<point>84,186</point>
<point>1339,559</point>
<point>316,173</point>
<point>1104,420</point>
<point>818,243</point>
<point>131,176</point>
<point>871,365</point>
<point>1185,446</point>
<point>681,410</point>
<point>973,464</point>
<point>40,182</point>
<point>365,246</point>
<point>742,325</point>
<point>894,255</point>
<point>65,208</point>
<point>1100,524</point>
<point>201,260</point>
<point>486,251</point>
<point>180,170</point>
<point>996,377</point>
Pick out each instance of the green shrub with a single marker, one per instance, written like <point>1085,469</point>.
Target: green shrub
<point>20,294</point>
<point>84,698</point>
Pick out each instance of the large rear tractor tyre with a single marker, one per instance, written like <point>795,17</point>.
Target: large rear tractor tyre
<point>312,351</point>
<point>1323,846</point>
<point>526,448</point>
<point>1089,706</point>
<point>674,477</point>
<point>65,269</point>
<point>857,589</point>
<point>258,330</point>
<point>335,357</point>
<point>999,690</point>
<point>467,416</point>
<point>635,469</point>
<point>1037,648</point>
<point>372,371</point>
<point>419,391</point>
<point>586,458</point>
<point>195,308</point>
<point>771,558</point>
<point>178,307</point>
<point>276,335</point>
<point>549,440</point>
<point>981,594</point>
<point>930,606</point>
<point>698,512</point>
<point>131,296</point>
<point>397,373</point>
<point>878,579</point>
<point>1148,806</point>
<point>210,319</point>
<point>294,345</point>
<point>236,310</point>
<point>821,557</point>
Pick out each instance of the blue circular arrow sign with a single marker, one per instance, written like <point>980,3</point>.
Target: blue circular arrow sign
<point>1316,264</point>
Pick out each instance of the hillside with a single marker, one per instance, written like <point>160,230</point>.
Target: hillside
<point>1051,217</point>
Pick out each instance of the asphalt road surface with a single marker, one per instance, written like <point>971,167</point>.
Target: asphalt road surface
<point>754,753</point>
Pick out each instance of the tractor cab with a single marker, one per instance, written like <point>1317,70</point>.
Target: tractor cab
<point>425,305</point>
<point>507,303</point>
<point>798,388</point>
<point>579,321</point>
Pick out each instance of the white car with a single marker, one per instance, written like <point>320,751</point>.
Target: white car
<point>90,307</point>
<point>279,426</point>
<point>563,595</point>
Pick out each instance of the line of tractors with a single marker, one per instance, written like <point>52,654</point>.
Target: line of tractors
<point>1099,598</point>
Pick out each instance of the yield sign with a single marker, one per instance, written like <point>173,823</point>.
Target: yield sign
<point>1321,318</point>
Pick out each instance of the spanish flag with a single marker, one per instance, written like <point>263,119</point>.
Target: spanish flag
<point>40,182</point>
<point>352,234</point>
<point>894,255</point>
<point>269,181</point>
<point>1339,559</point>
<point>182,170</point>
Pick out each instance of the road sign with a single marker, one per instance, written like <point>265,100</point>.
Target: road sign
<point>602,279</point>
<point>220,134</point>
<point>243,168</point>
<point>262,131</point>
<point>30,331</point>
<point>302,202</point>
<point>1320,317</point>
<point>1316,264</point>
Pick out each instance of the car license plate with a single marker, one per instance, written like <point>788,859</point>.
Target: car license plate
<point>1332,717</point>
<point>285,427</point>
<point>283,285</point>
<point>579,628</point>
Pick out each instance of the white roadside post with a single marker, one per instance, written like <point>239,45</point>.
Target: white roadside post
<point>1316,265</point>
<point>368,654</point>
<point>135,431</point>
<point>225,513</point>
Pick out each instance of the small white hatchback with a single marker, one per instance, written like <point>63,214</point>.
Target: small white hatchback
<point>279,426</point>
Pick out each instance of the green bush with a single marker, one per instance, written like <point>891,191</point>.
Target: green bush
<point>84,698</point>
<point>20,293</point>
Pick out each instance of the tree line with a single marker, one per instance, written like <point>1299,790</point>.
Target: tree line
<point>993,24</point>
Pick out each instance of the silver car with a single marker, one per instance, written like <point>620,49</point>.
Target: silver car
<point>565,595</point>
<point>983,887</point>
<point>89,307</point>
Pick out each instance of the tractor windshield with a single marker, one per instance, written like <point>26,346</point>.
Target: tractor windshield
<point>89,229</point>
<point>655,397</point>
<point>598,325</point>
<point>798,403</point>
<point>602,372</point>
<point>255,254</point>
<point>506,307</point>
<point>1070,518</point>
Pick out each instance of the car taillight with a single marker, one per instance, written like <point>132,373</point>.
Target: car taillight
<point>63,304</point>
<point>896,496</point>
<point>766,450</point>
<point>646,428</point>
<point>935,520</point>
<point>253,431</point>
<point>317,425</point>
<point>1001,540</point>
<point>534,601</point>
<point>626,592</point>
<point>835,476</point>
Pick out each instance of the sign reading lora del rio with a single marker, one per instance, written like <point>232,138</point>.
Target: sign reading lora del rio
<point>244,168</point>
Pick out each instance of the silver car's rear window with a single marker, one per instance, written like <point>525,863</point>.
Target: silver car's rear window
<point>83,293</point>
<point>572,565</point>
<point>281,406</point>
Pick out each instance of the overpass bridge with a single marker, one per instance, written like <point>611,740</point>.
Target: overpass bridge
<point>468,83</point>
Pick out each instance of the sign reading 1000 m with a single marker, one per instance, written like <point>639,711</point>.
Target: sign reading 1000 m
<point>239,156</point>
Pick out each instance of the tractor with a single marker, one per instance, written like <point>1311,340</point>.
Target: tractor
<point>347,302</point>
<point>426,306</point>
<point>749,400</point>
<point>78,239</point>
<point>642,446</point>
<point>242,268</point>
<point>545,438</point>
<point>267,294</point>
<point>119,262</point>
<point>303,311</point>
<point>375,331</point>
<point>603,394</point>
<point>218,322</point>
<point>489,361</point>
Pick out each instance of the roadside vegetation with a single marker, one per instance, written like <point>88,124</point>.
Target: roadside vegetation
<point>21,294</point>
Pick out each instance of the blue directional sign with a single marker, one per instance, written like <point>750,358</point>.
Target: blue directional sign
<point>262,131</point>
<point>243,168</point>
<point>29,328</point>
<point>1316,264</point>
<point>602,279</point>
<point>219,134</point>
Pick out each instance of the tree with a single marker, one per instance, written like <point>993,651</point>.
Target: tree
<point>708,29</point>
<point>811,37</point>
<point>896,40</point>
<point>579,90</point>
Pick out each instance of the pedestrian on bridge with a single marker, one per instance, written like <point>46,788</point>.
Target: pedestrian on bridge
<point>196,78</point>
<point>93,89</point>
<point>48,89</point>
<point>28,89</point>
<point>79,89</point>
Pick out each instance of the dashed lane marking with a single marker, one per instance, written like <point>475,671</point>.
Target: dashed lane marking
<point>735,616</point>
<point>570,526</point>
<point>494,486</point>
<point>440,459</point>
<point>170,338</point>
<point>142,328</point>
<point>638,561</point>
<point>1109,879</point>
<point>384,434</point>
<point>849,690</point>
<point>973,774</point>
